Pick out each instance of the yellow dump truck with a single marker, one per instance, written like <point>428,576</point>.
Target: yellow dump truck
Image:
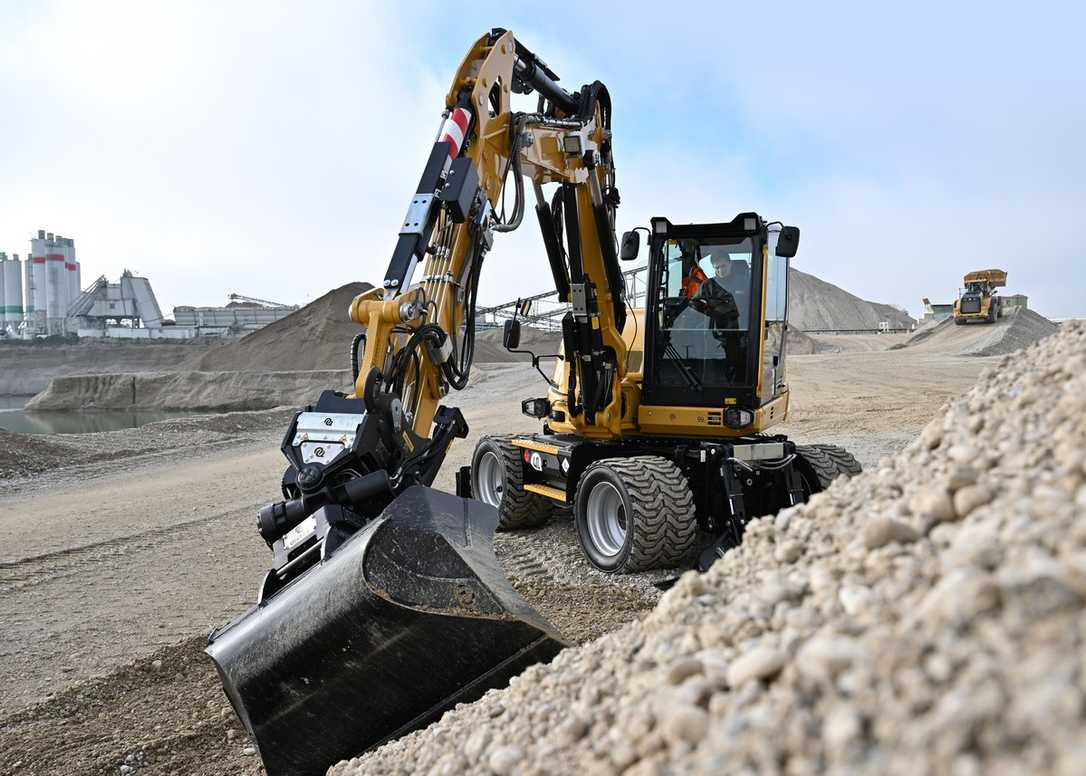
<point>978,302</point>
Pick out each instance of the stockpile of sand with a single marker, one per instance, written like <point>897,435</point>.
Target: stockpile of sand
<point>27,367</point>
<point>1017,329</point>
<point>318,336</point>
<point>190,390</point>
<point>814,305</point>
<point>489,349</point>
<point>924,617</point>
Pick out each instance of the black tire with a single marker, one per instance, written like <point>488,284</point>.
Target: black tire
<point>657,511</point>
<point>822,464</point>
<point>516,507</point>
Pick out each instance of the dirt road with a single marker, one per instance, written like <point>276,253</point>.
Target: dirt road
<point>153,551</point>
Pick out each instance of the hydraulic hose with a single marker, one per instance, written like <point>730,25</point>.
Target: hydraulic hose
<point>360,337</point>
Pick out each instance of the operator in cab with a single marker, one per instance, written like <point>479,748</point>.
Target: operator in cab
<point>725,297</point>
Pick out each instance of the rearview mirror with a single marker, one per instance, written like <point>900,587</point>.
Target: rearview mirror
<point>630,245</point>
<point>511,335</point>
<point>788,241</point>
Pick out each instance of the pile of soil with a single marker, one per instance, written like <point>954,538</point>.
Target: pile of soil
<point>814,305</point>
<point>1017,329</point>
<point>189,390</point>
<point>928,616</point>
<point>489,349</point>
<point>318,336</point>
<point>27,367</point>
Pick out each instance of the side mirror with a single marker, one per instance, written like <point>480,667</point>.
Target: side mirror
<point>788,242</point>
<point>511,335</point>
<point>630,245</point>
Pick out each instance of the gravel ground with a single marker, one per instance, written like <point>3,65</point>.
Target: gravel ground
<point>24,456</point>
<point>924,617</point>
<point>164,713</point>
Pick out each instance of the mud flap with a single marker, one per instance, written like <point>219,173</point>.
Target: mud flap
<point>410,616</point>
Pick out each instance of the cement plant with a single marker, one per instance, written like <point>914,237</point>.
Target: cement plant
<point>43,296</point>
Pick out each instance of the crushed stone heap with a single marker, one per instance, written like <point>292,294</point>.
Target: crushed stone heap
<point>318,336</point>
<point>1016,330</point>
<point>926,616</point>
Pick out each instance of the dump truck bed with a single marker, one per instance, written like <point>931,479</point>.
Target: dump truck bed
<point>996,278</point>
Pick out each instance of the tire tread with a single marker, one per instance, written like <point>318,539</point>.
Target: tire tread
<point>663,522</point>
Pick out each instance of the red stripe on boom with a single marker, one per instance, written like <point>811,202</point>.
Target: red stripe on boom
<point>460,116</point>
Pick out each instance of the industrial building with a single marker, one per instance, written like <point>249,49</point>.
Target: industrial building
<point>53,282</point>
<point>43,296</point>
<point>125,309</point>
<point>242,315</point>
<point>11,295</point>
<point>48,280</point>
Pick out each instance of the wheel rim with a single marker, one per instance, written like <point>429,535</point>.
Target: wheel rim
<point>490,479</point>
<point>606,519</point>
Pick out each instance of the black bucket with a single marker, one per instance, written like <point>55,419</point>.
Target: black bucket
<point>410,616</point>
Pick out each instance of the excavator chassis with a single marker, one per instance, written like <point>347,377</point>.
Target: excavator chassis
<point>716,486</point>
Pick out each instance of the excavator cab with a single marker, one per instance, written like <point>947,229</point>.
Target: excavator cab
<point>716,311</point>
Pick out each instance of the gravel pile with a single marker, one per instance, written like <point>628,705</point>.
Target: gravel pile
<point>318,336</point>
<point>814,304</point>
<point>1016,330</point>
<point>926,616</point>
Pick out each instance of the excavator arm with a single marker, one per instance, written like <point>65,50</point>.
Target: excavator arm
<point>420,324</point>
<point>385,605</point>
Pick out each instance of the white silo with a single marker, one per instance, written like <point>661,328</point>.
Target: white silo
<point>77,276</point>
<point>13,292</point>
<point>56,284</point>
<point>69,276</point>
<point>38,253</point>
<point>28,287</point>
<point>3,295</point>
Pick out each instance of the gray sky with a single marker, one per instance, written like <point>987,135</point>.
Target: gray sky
<point>271,148</point>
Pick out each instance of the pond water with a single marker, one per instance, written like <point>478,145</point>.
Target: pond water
<point>14,418</point>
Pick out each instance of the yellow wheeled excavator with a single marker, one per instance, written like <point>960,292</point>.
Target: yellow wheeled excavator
<point>385,604</point>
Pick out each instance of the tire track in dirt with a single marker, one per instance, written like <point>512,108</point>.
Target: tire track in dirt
<point>25,572</point>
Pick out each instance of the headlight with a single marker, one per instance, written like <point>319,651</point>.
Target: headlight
<point>734,417</point>
<point>535,408</point>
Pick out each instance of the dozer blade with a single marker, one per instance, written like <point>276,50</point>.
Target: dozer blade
<point>409,617</point>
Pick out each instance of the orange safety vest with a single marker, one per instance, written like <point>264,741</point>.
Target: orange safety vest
<point>693,281</point>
